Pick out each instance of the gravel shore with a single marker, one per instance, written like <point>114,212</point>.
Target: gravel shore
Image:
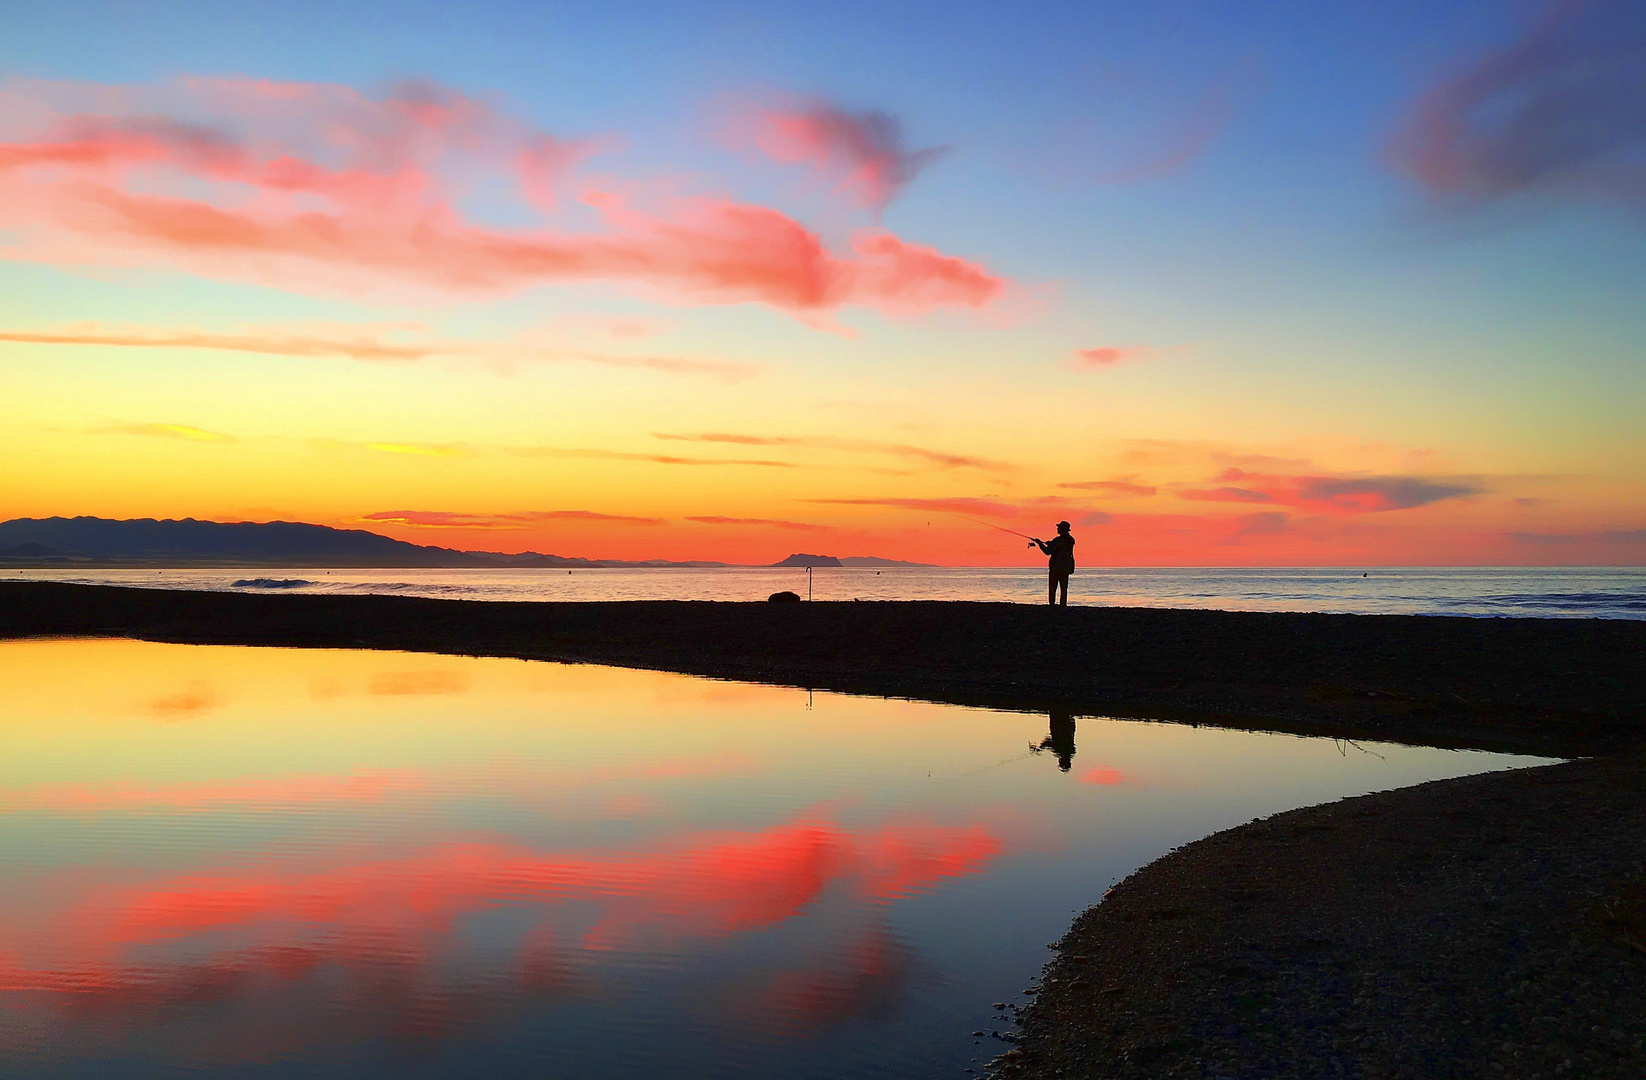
<point>1492,926</point>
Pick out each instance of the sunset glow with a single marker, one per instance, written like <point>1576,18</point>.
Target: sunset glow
<point>697,286</point>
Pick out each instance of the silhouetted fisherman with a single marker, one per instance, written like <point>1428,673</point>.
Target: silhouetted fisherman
<point>1060,741</point>
<point>1060,550</point>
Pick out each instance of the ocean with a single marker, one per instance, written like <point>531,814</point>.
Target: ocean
<point>1490,591</point>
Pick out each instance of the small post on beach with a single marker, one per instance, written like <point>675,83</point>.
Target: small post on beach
<point>808,583</point>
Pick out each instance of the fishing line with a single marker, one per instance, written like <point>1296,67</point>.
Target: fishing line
<point>1002,528</point>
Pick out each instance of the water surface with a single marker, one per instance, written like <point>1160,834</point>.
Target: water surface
<point>282,863</point>
<point>1566,592</point>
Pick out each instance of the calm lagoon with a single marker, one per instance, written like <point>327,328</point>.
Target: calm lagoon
<point>315,863</point>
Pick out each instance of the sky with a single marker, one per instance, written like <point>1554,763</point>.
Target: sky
<point>1218,283</point>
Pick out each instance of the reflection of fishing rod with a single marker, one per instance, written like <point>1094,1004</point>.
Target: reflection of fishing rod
<point>1032,541</point>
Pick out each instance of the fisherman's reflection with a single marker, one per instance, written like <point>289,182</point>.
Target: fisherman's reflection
<point>1060,740</point>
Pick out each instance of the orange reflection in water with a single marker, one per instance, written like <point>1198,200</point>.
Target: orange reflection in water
<point>130,945</point>
<point>370,785</point>
<point>309,791</point>
<point>313,848</point>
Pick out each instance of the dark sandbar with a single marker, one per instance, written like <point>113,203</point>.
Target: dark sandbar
<point>1561,687</point>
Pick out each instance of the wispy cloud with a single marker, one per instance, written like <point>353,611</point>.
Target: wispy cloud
<point>862,152</point>
<point>858,446</point>
<point>1130,127</point>
<point>1335,494</point>
<point>1189,451</point>
<point>1113,487</point>
<point>1561,112</point>
<point>435,450</point>
<point>368,344</point>
<point>352,190</point>
<point>996,509</point>
<point>444,519</point>
<point>186,432</point>
<point>657,459</point>
<point>709,519</point>
<point>1544,539</point>
<point>1194,132</point>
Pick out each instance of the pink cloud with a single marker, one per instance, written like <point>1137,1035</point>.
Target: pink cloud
<point>307,185</point>
<point>1104,775</point>
<point>1109,355</point>
<point>863,151</point>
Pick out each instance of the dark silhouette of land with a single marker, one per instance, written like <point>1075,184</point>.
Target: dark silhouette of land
<point>146,541</point>
<point>168,544</point>
<point>802,559</point>
<point>1550,686</point>
<point>860,562</point>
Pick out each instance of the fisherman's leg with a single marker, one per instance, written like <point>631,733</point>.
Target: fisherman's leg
<point>1063,590</point>
<point>1051,589</point>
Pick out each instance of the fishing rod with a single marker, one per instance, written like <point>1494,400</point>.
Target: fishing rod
<point>1032,541</point>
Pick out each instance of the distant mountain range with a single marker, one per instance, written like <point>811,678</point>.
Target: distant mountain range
<point>93,541</point>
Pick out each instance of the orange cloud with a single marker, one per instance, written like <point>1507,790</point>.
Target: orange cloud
<point>712,520</point>
<point>999,509</point>
<point>1104,775</point>
<point>861,446</point>
<point>1116,487</point>
<point>370,345</point>
<point>438,450</point>
<point>659,459</point>
<point>441,519</point>
<point>1227,494</point>
<point>863,151</point>
<point>186,432</point>
<point>348,190</point>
